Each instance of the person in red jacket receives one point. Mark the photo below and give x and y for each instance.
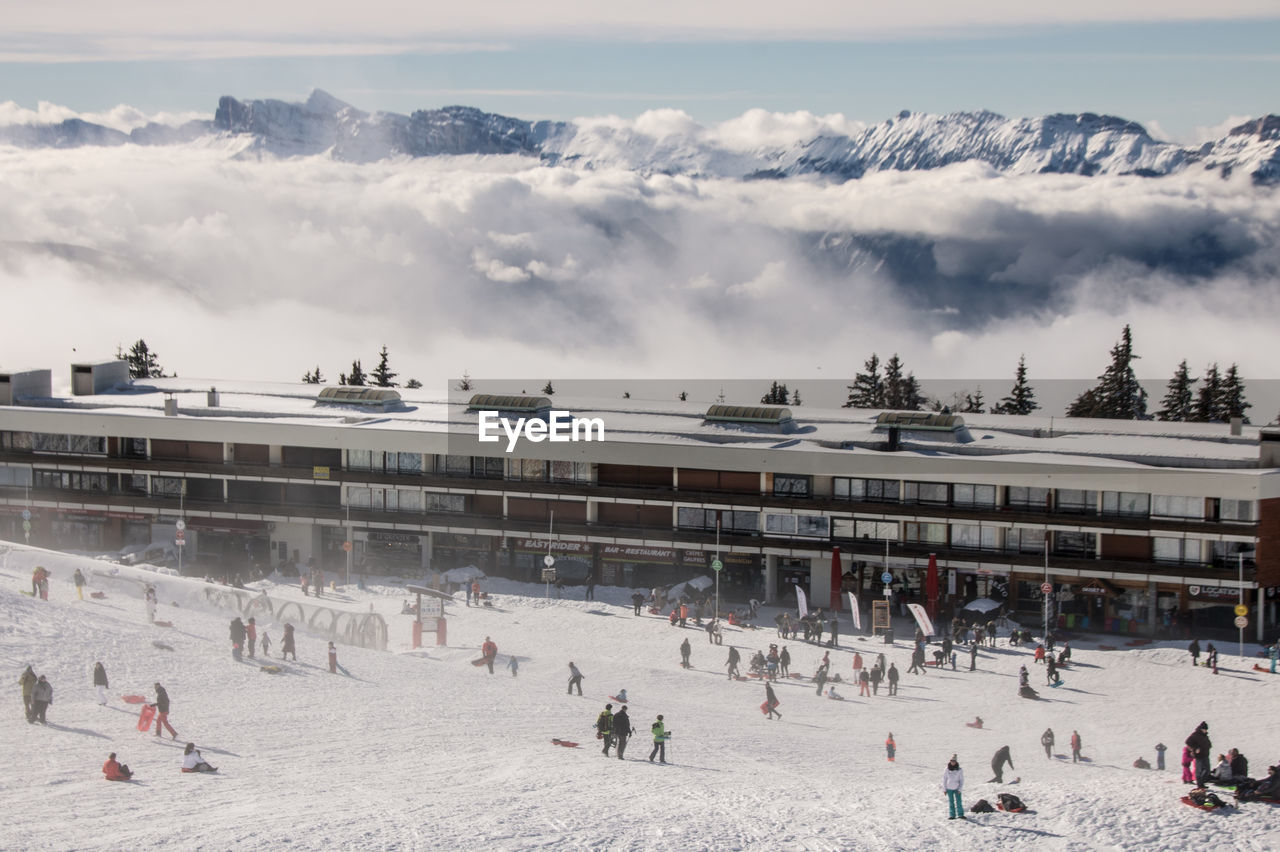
(1075, 746)
(489, 651)
(116, 771)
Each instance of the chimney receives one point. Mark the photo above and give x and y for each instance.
(170, 405)
(1237, 426)
(213, 397)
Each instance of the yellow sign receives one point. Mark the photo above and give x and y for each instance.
(319, 472)
(1241, 609)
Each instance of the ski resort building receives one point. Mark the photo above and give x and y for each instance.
(1136, 527)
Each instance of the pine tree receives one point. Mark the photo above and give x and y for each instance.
(1176, 405)
(626, 394)
(973, 402)
(357, 377)
(1118, 395)
(143, 363)
(382, 374)
(313, 377)
(465, 384)
(795, 398)
(867, 390)
(777, 395)
(412, 384)
(683, 396)
(1022, 398)
(548, 389)
(1231, 401)
(1209, 397)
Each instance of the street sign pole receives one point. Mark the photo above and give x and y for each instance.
(716, 565)
(181, 525)
(1047, 589)
(1240, 602)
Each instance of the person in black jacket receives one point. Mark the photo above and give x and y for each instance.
(1239, 764)
(1200, 744)
(637, 600)
(162, 711)
(734, 659)
(998, 760)
(685, 650)
(621, 730)
(1194, 650)
(41, 698)
(771, 701)
(100, 681)
(237, 636)
(893, 679)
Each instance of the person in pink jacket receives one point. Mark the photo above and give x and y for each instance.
(1188, 777)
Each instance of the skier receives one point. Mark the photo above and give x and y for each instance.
(685, 650)
(162, 711)
(734, 657)
(575, 679)
(998, 760)
(489, 651)
(44, 582)
(78, 579)
(100, 681)
(151, 603)
(660, 739)
(27, 680)
(116, 771)
(333, 660)
(41, 698)
(1200, 744)
(237, 637)
(893, 679)
(1194, 650)
(952, 784)
(604, 728)
(890, 747)
(193, 760)
(1161, 748)
(1075, 746)
(251, 633)
(770, 702)
(621, 730)
(1046, 740)
(286, 645)
(784, 662)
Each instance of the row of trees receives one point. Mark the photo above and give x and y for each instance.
(898, 389)
(382, 375)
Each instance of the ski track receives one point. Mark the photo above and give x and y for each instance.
(421, 750)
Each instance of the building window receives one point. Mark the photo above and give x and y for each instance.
(973, 537)
(808, 526)
(1175, 550)
(1129, 504)
(928, 493)
(1163, 506)
(742, 522)
(410, 501)
(1024, 541)
(924, 533)
(436, 502)
(409, 463)
(1071, 501)
(1079, 544)
(791, 485)
(487, 467)
(1022, 497)
(15, 441)
(976, 496)
(1236, 510)
(19, 476)
(867, 490)
(455, 466)
(575, 472)
(358, 459)
(692, 518)
(71, 480)
(876, 529)
(81, 445)
(359, 498)
(167, 486)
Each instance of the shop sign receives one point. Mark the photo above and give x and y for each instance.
(405, 538)
(539, 545)
(637, 554)
(1213, 593)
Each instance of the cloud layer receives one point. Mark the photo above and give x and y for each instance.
(500, 266)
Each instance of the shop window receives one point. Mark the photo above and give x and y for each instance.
(927, 493)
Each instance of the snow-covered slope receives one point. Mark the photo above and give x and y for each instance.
(669, 142)
(421, 750)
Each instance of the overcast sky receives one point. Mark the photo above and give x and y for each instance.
(1177, 65)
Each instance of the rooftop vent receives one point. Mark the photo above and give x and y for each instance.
(920, 421)
(523, 405)
(380, 398)
(768, 417)
(90, 379)
(27, 383)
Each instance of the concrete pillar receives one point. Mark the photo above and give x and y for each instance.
(1153, 611)
(820, 581)
(770, 577)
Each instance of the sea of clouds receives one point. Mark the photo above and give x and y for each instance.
(237, 267)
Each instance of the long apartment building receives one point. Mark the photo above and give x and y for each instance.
(1133, 524)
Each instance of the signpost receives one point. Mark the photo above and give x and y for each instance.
(180, 537)
(716, 565)
(1241, 609)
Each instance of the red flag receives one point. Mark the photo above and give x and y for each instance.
(931, 586)
(836, 576)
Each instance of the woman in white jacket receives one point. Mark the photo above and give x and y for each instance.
(193, 761)
(953, 783)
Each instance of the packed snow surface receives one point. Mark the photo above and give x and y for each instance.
(422, 750)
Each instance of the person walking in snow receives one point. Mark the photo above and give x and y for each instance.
(237, 637)
(893, 679)
(604, 727)
(162, 711)
(685, 651)
(864, 682)
(266, 644)
(821, 678)
(333, 659)
(1051, 671)
(1194, 650)
(732, 664)
(150, 597)
(1075, 747)
(637, 600)
(100, 682)
(27, 680)
(952, 784)
(857, 664)
(251, 635)
(973, 657)
(575, 679)
(1046, 740)
(875, 677)
(998, 760)
(621, 730)
(784, 662)
(78, 579)
(770, 701)
(890, 747)
(286, 644)
(489, 652)
(1161, 748)
(41, 698)
(514, 665)
(660, 740)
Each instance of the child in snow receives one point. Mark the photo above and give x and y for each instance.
(622, 696)
(890, 747)
(514, 665)
(193, 761)
(100, 681)
(1187, 776)
(333, 659)
(116, 771)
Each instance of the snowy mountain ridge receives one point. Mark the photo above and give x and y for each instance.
(1084, 144)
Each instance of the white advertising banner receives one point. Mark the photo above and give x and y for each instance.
(803, 601)
(922, 618)
(857, 614)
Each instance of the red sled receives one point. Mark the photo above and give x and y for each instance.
(480, 662)
(1011, 810)
(564, 743)
(616, 698)
(1186, 800)
(147, 715)
(764, 707)
(1258, 668)
(133, 699)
